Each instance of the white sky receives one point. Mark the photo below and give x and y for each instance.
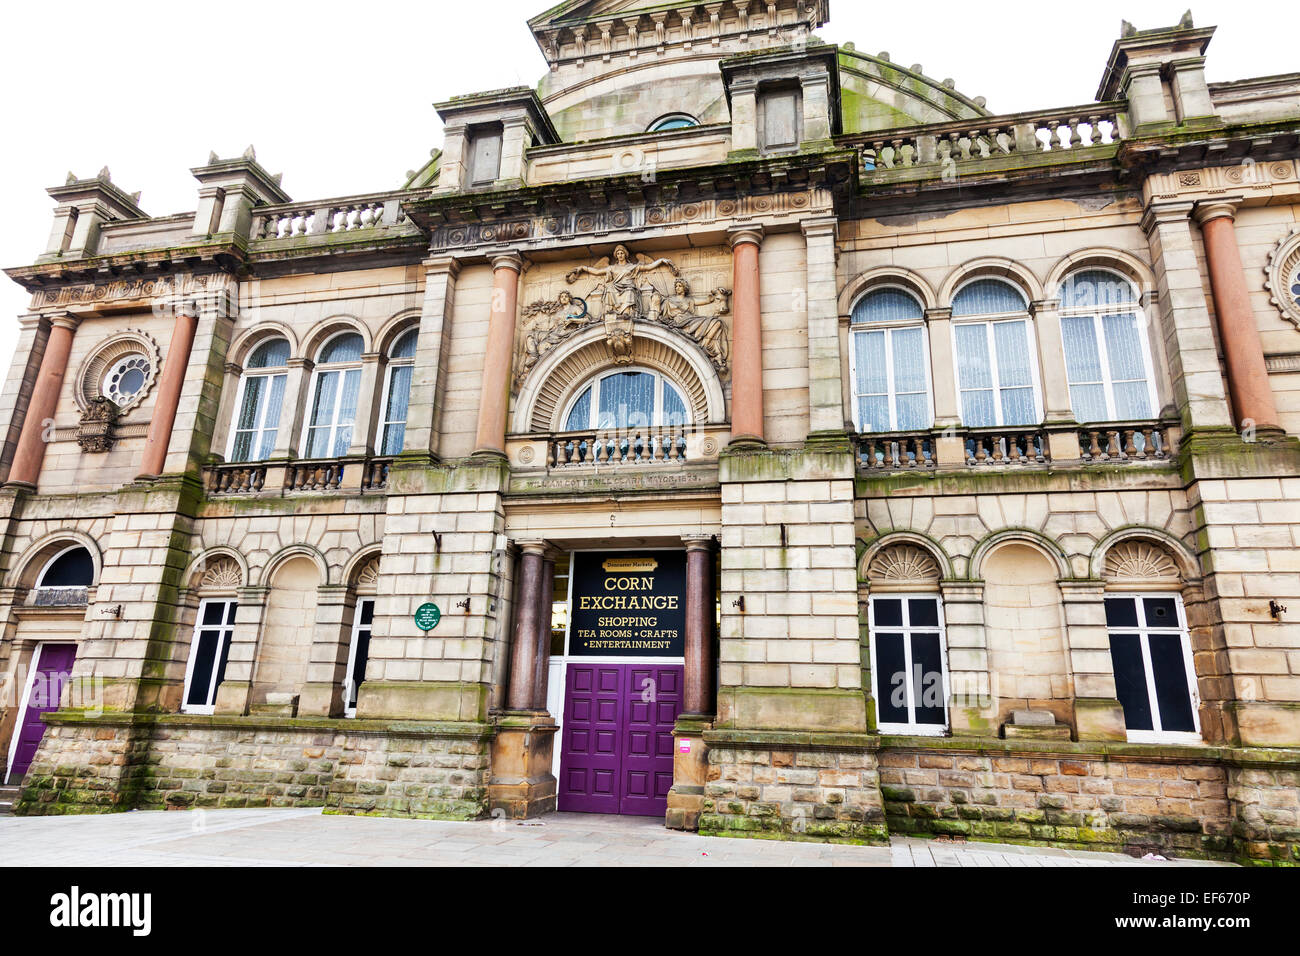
(337, 95)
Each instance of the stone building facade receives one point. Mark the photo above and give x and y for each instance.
(735, 427)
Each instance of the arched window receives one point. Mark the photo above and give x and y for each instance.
(65, 578)
(909, 660)
(996, 369)
(261, 394)
(363, 617)
(397, 393)
(890, 363)
(336, 384)
(1150, 646)
(622, 400)
(673, 121)
(1107, 357)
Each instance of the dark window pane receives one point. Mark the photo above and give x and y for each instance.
(359, 664)
(72, 569)
(204, 651)
(1121, 612)
(367, 613)
(212, 612)
(923, 612)
(927, 679)
(1173, 696)
(888, 613)
(1161, 612)
(231, 607)
(891, 678)
(221, 667)
(1130, 680)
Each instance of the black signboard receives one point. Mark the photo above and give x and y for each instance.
(628, 604)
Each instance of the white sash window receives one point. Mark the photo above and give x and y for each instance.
(397, 393)
(997, 373)
(261, 395)
(1107, 356)
(336, 385)
(890, 365)
(213, 629)
(1154, 678)
(909, 663)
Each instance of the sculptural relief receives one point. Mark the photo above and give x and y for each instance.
(627, 289)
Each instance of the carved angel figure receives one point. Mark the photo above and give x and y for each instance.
(681, 311)
(546, 325)
(620, 294)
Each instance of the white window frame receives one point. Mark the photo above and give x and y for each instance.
(658, 125)
(910, 728)
(393, 366)
(888, 328)
(1157, 735)
(45, 569)
(320, 369)
(594, 385)
(1103, 351)
(1031, 343)
(349, 710)
(226, 635)
(262, 426)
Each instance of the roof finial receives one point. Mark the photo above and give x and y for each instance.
(1126, 29)
(105, 175)
(250, 153)
(1186, 21)
(72, 178)
(213, 158)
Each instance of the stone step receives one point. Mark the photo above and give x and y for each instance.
(8, 797)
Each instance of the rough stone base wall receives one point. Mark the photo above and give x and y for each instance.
(178, 763)
(1267, 818)
(1078, 801)
(814, 794)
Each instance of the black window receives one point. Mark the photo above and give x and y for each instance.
(209, 651)
(908, 664)
(1151, 654)
(359, 653)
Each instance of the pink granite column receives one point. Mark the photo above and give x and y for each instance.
(1243, 352)
(29, 454)
(170, 381)
(523, 653)
(490, 437)
(697, 691)
(545, 600)
(746, 337)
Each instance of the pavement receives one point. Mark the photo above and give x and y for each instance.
(306, 837)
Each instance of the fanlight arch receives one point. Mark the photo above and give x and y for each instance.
(560, 374)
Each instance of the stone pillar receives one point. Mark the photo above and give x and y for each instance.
(1098, 714)
(490, 438)
(542, 657)
(293, 409)
(1184, 323)
(1058, 415)
(972, 705)
(170, 381)
(746, 336)
(522, 784)
(949, 447)
(29, 454)
(825, 388)
(322, 694)
(236, 689)
(744, 116)
(524, 652)
(430, 356)
(1243, 352)
(690, 755)
(697, 691)
(363, 432)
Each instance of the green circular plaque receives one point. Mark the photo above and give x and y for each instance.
(427, 617)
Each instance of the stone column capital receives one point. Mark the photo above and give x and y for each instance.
(537, 546)
(824, 226)
(507, 259)
(745, 232)
(1222, 207)
(442, 265)
(1161, 213)
(1044, 305)
(698, 542)
(65, 320)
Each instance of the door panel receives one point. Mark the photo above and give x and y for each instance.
(589, 763)
(617, 738)
(52, 670)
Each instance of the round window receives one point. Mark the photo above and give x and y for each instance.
(125, 378)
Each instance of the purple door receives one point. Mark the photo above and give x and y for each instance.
(52, 671)
(617, 741)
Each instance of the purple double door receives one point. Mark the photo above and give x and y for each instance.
(617, 738)
(53, 666)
